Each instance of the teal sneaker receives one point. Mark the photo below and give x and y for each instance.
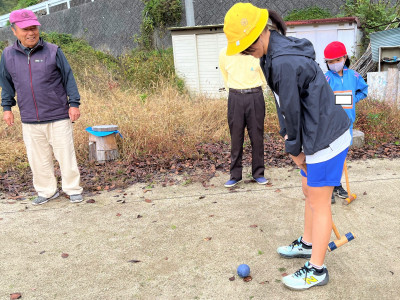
(296, 249)
(306, 277)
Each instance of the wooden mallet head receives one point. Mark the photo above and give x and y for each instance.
(349, 199)
(341, 241)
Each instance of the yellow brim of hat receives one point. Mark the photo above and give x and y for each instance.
(241, 45)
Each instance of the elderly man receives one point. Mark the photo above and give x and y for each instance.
(48, 100)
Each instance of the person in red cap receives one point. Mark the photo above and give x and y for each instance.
(316, 131)
(48, 101)
(349, 88)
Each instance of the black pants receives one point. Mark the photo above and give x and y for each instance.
(246, 110)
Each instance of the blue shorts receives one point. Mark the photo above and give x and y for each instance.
(326, 173)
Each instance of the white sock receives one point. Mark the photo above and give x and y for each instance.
(319, 268)
(306, 243)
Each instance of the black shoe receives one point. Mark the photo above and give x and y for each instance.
(333, 201)
(340, 192)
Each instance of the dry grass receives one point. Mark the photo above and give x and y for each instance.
(167, 123)
(380, 121)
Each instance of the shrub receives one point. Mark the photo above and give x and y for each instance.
(309, 13)
(378, 120)
(373, 15)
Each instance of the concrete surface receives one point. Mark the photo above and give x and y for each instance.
(170, 238)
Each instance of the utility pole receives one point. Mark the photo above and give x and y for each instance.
(189, 13)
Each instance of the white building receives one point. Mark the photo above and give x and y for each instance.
(196, 49)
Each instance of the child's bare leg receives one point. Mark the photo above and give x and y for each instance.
(307, 234)
(319, 199)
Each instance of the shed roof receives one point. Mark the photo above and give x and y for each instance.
(196, 27)
(384, 38)
(325, 21)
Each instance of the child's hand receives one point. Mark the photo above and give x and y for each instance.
(300, 161)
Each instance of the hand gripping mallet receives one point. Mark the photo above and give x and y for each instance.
(341, 240)
(351, 197)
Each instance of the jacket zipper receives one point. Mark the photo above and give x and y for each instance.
(30, 77)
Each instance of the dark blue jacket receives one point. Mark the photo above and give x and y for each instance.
(40, 83)
(306, 105)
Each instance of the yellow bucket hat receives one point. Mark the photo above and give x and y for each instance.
(243, 24)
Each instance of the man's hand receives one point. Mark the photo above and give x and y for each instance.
(8, 117)
(300, 161)
(74, 113)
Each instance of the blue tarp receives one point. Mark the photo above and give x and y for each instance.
(102, 133)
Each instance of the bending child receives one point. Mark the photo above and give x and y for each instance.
(317, 131)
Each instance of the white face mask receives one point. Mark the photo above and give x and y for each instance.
(336, 67)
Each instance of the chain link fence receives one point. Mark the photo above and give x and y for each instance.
(111, 25)
(213, 11)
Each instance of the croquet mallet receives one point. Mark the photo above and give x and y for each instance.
(351, 197)
(341, 240)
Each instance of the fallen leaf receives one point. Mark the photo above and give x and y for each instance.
(118, 214)
(247, 279)
(364, 193)
(207, 238)
(254, 226)
(64, 255)
(166, 258)
(211, 216)
(15, 296)
(232, 278)
(277, 191)
(90, 201)
(147, 200)
(284, 274)
(134, 261)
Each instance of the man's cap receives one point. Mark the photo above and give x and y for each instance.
(243, 24)
(23, 18)
(334, 50)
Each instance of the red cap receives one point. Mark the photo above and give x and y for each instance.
(334, 50)
(23, 18)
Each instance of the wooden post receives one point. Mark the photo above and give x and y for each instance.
(103, 148)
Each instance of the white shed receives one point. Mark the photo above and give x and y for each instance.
(196, 49)
(196, 52)
(324, 31)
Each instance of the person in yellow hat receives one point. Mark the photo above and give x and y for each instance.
(316, 131)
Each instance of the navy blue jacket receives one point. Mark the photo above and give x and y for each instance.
(42, 79)
(305, 104)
